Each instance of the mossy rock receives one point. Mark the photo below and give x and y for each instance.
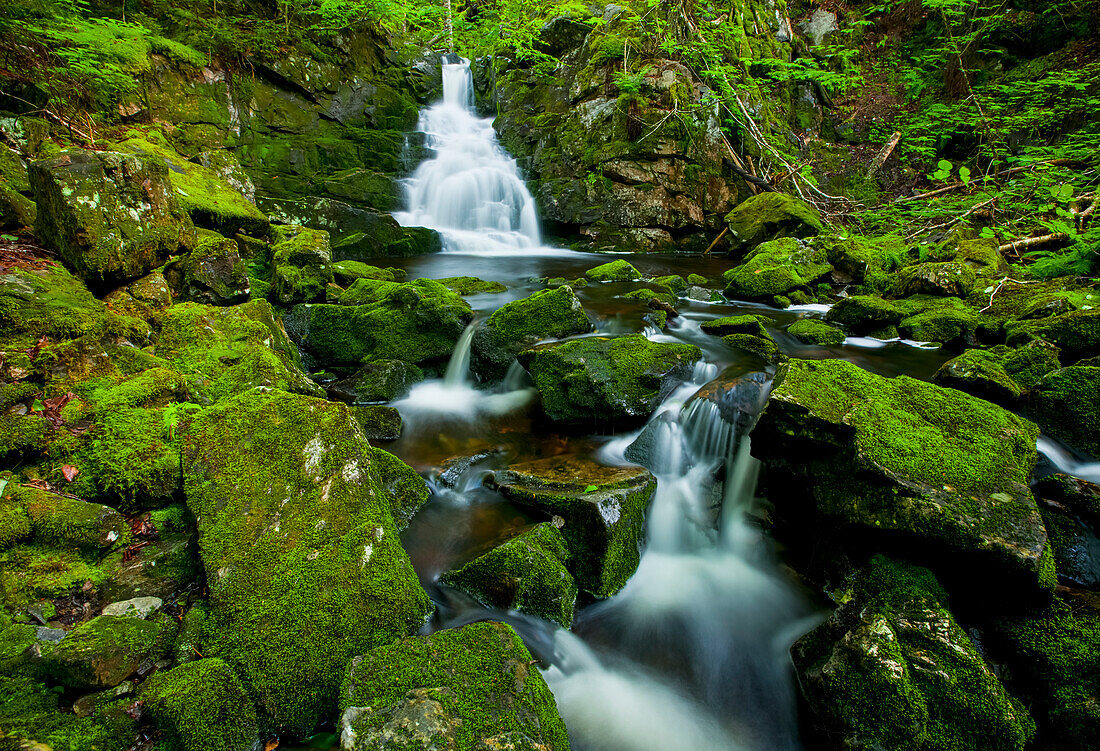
(1080, 497)
(109, 216)
(744, 324)
(303, 264)
(147, 298)
(900, 459)
(893, 669)
(379, 423)
(378, 381)
(302, 558)
(231, 349)
(512, 328)
(1066, 403)
(940, 279)
(471, 285)
(924, 318)
(106, 650)
(163, 567)
(358, 234)
(406, 490)
(31, 717)
(51, 303)
(16, 210)
(213, 273)
(814, 331)
(603, 508)
(472, 686)
(15, 524)
(415, 322)
(865, 260)
(763, 347)
(1076, 334)
(600, 380)
(775, 268)
(365, 187)
(31, 572)
(615, 271)
(346, 272)
(203, 192)
(527, 573)
(769, 216)
(1054, 654)
(70, 522)
(675, 283)
(201, 706)
(1000, 374)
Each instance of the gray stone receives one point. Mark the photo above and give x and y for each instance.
(52, 635)
(139, 607)
(819, 26)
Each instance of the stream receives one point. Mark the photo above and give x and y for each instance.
(693, 652)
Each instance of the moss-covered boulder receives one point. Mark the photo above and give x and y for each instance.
(1066, 403)
(527, 573)
(70, 522)
(599, 379)
(775, 268)
(214, 194)
(603, 508)
(924, 318)
(51, 303)
(941, 279)
(32, 716)
(166, 564)
(1076, 334)
(405, 490)
(145, 298)
(379, 423)
(16, 210)
(377, 381)
(893, 669)
(358, 234)
(231, 349)
(1054, 655)
(769, 216)
(549, 314)
(466, 688)
(815, 331)
(863, 260)
(110, 216)
(415, 322)
(744, 324)
(303, 264)
(212, 273)
(302, 558)
(471, 285)
(201, 706)
(898, 459)
(615, 271)
(763, 347)
(106, 650)
(346, 272)
(1000, 374)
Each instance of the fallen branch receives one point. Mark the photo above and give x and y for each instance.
(951, 222)
(884, 154)
(739, 169)
(998, 289)
(716, 240)
(994, 176)
(1029, 242)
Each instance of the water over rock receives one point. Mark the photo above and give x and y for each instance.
(1066, 403)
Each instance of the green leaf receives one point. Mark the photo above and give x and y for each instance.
(591, 489)
(987, 233)
(964, 174)
(9, 238)
(945, 166)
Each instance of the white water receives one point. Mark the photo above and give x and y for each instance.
(1064, 461)
(470, 191)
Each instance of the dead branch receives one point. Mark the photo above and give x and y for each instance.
(1030, 242)
(884, 154)
(953, 221)
(716, 240)
(994, 176)
(998, 289)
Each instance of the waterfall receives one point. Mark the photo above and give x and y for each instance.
(470, 191)
(458, 369)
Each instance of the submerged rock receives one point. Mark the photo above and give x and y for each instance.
(550, 314)
(527, 573)
(603, 508)
(302, 558)
(892, 669)
(770, 216)
(202, 706)
(475, 686)
(597, 379)
(896, 459)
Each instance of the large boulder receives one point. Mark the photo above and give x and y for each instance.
(943, 279)
(903, 461)
(106, 650)
(1076, 334)
(1066, 403)
(212, 273)
(475, 687)
(358, 234)
(110, 216)
(892, 669)
(377, 381)
(527, 573)
(303, 264)
(600, 379)
(550, 314)
(603, 508)
(776, 268)
(769, 216)
(70, 522)
(924, 318)
(202, 706)
(302, 558)
(1000, 374)
(416, 322)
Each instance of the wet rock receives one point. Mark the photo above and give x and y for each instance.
(615, 271)
(1081, 497)
(896, 459)
(923, 318)
(814, 331)
(597, 379)
(16, 210)
(777, 267)
(942, 279)
(303, 264)
(378, 381)
(415, 322)
(1066, 403)
(295, 478)
(106, 650)
(770, 216)
(449, 690)
(202, 705)
(738, 395)
(549, 314)
(604, 512)
(471, 285)
(892, 669)
(745, 324)
(561, 34)
(763, 347)
(347, 272)
(110, 216)
(379, 423)
(527, 573)
(212, 273)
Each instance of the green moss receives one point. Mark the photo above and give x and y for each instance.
(32, 572)
(769, 216)
(384, 380)
(15, 525)
(106, 650)
(814, 331)
(347, 272)
(943, 279)
(406, 490)
(675, 283)
(302, 557)
(981, 373)
(379, 423)
(867, 260)
(23, 435)
(776, 268)
(526, 573)
(201, 705)
(481, 676)
(763, 347)
(134, 458)
(51, 303)
(471, 285)
(58, 520)
(597, 378)
(744, 324)
(29, 711)
(1077, 334)
(1066, 403)
(211, 273)
(921, 317)
(615, 271)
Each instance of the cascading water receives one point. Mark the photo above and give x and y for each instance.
(471, 191)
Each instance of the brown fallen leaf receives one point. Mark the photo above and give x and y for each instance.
(271, 745)
(69, 472)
